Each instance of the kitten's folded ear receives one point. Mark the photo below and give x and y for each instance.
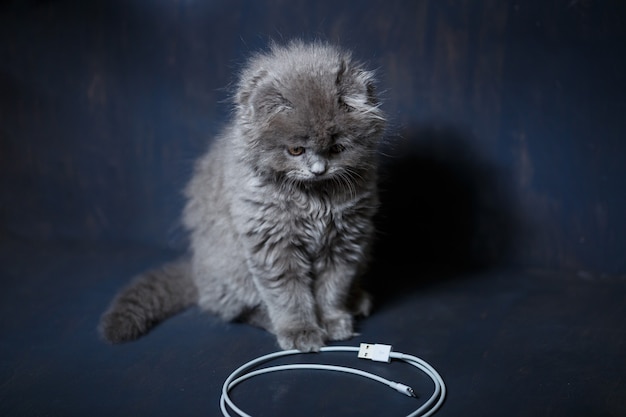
(247, 85)
(257, 99)
(367, 78)
(357, 90)
(358, 94)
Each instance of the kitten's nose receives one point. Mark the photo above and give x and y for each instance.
(318, 167)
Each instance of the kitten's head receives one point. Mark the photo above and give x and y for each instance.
(309, 114)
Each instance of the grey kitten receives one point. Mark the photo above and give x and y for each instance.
(279, 209)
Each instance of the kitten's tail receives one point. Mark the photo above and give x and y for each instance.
(151, 298)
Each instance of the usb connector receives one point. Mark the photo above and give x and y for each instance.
(376, 352)
(382, 353)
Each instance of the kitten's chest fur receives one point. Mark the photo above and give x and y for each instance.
(312, 220)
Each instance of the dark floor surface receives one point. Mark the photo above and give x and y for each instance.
(506, 342)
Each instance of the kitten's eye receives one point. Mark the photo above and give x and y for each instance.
(337, 148)
(295, 150)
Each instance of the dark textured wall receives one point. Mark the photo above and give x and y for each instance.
(507, 118)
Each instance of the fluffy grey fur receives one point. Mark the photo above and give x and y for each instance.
(280, 208)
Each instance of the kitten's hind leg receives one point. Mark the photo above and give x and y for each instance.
(257, 316)
(360, 302)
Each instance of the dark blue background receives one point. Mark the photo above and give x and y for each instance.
(105, 105)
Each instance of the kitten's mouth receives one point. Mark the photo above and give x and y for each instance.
(309, 178)
(317, 178)
(312, 182)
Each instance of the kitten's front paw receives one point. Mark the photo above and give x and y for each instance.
(309, 339)
(340, 327)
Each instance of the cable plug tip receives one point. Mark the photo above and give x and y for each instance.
(406, 390)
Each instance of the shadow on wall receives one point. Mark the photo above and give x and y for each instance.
(445, 210)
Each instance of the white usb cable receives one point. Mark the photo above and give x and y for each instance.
(375, 352)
